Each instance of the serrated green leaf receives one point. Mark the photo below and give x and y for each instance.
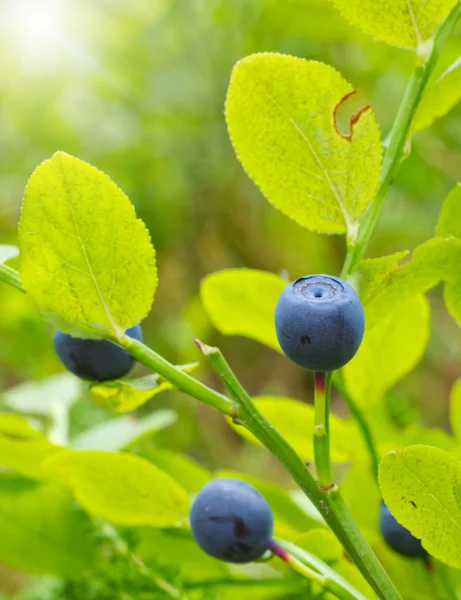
(405, 23)
(8, 252)
(41, 531)
(188, 473)
(122, 488)
(242, 302)
(124, 432)
(421, 486)
(439, 98)
(389, 351)
(86, 260)
(289, 518)
(295, 421)
(124, 395)
(280, 113)
(40, 396)
(455, 409)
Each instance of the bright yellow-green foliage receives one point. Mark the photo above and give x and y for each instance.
(421, 486)
(42, 532)
(389, 351)
(124, 395)
(22, 448)
(406, 23)
(242, 302)
(435, 260)
(295, 420)
(86, 260)
(189, 474)
(439, 98)
(280, 113)
(122, 488)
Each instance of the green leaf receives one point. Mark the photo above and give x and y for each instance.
(40, 396)
(26, 455)
(124, 432)
(435, 260)
(8, 252)
(124, 395)
(189, 474)
(17, 426)
(405, 23)
(122, 488)
(86, 260)
(295, 421)
(455, 409)
(41, 531)
(449, 222)
(421, 486)
(439, 98)
(289, 518)
(280, 113)
(389, 351)
(242, 302)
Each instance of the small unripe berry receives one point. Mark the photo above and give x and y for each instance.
(231, 520)
(319, 322)
(397, 536)
(95, 360)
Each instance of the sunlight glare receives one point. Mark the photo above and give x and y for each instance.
(36, 28)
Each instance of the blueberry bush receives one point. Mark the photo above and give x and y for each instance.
(90, 508)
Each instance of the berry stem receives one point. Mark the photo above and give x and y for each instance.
(322, 387)
(361, 422)
(313, 569)
(395, 150)
(178, 378)
(336, 513)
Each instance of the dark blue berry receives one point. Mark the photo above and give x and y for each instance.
(95, 360)
(397, 536)
(319, 322)
(231, 520)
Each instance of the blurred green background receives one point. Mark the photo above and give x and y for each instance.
(137, 89)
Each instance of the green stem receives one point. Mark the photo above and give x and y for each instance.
(11, 276)
(333, 581)
(178, 378)
(330, 503)
(397, 140)
(314, 570)
(321, 430)
(361, 422)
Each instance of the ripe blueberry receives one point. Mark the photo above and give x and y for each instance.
(397, 536)
(231, 520)
(95, 360)
(319, 322)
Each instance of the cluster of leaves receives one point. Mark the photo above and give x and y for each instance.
(107, 513)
